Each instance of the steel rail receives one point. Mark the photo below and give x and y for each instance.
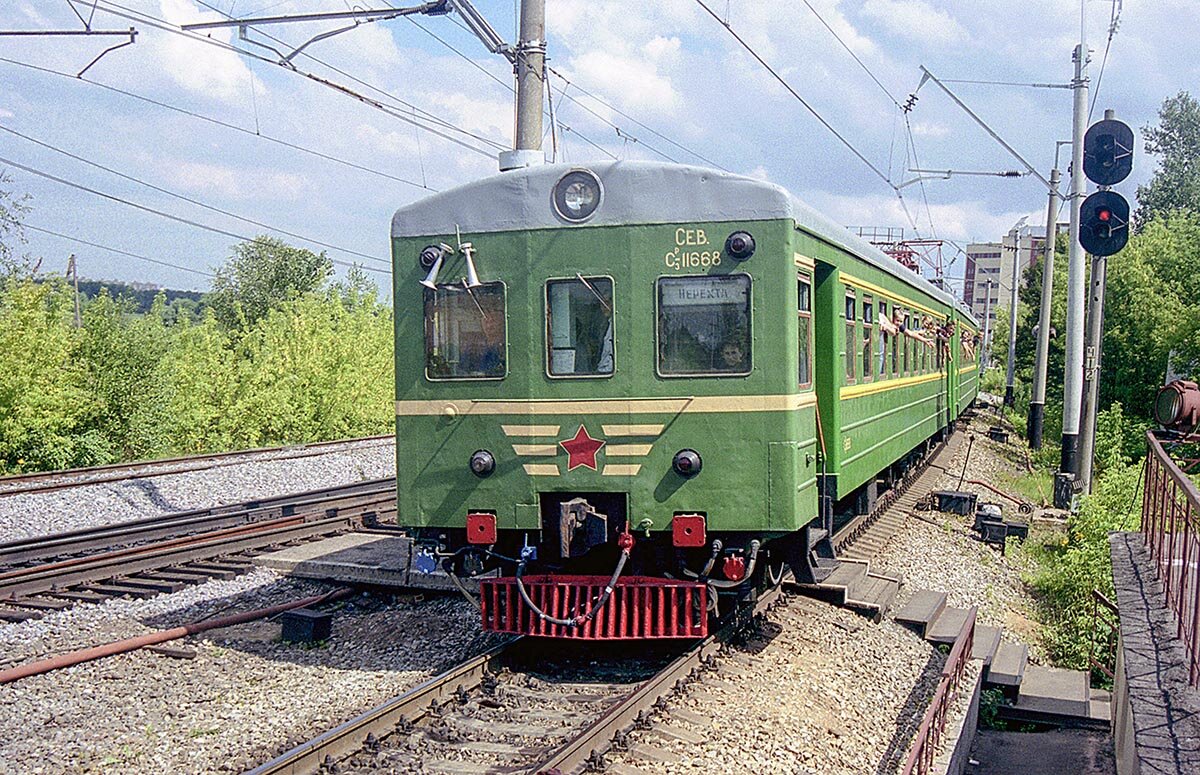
(857, 527)
(186, 522)
(417, 703)
(59, 576)
(597, 739)
(43, 481)
(380, 721)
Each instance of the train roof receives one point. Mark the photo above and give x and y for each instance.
(638, 192)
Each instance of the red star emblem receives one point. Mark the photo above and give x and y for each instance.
(581, 450)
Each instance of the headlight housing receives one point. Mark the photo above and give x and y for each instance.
(577, 195)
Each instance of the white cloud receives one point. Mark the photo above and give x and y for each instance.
(634, 79)
(6, 113)
(203, 69)
(916, 20)
(223, 182)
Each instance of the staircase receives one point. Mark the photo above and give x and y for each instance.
(1038, 694)
(854, 585)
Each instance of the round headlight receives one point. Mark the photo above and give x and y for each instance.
(1166, 406)
(482, 463)
(687, 463)
(740, 245)
(577, 195)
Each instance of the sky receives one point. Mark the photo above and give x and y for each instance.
(214, 141)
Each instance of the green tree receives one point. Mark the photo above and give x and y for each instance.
(12, 209)
(261, 275)
(1176, 141)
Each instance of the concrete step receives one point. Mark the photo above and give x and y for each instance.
(987, 641)
(874, 595)
(1100, 705)
(921, 609)
(947, 626)
(1054, 691)
(1008, 664)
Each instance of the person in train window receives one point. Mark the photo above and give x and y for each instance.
(732, 356)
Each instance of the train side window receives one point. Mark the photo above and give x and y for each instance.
(868, 336)
(882, 339)
(465, 332)
(704, 325)
(579, 327)
(851, 343)
(907, 356)
(896, 337)
(804, 328)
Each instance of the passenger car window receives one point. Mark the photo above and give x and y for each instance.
(465, 334)
(868, 321)
(804, 328)
(579, 327)
(851, 343)
(704, 325)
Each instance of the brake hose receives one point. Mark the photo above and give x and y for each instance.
(578, 620)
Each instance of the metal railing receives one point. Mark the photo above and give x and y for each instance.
(1106, 625)
(1171, 528)
(929, 735)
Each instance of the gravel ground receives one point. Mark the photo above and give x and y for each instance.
(818, 690)
(940, 551)
(34, 514)
(244, 698)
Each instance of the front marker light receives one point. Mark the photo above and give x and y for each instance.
(482, 463)
(687, 463)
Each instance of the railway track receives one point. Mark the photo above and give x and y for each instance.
(493, 714)
(76, 477)
(165, 554)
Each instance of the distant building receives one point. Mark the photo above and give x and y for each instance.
(989, 270)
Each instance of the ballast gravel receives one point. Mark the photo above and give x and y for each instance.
(244, 698)
(25, 515)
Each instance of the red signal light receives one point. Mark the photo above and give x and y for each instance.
(1104, 214)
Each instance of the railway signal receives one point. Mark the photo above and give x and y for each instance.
(1108, 152)
(1104, 220)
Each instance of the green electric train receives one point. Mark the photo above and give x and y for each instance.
(626, 390)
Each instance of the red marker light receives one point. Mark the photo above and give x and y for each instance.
(1104, 214)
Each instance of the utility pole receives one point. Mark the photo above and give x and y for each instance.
(530, 65)
(1095, 344)
(987, 324)
(1037, 406)
(1091, 371)
(1010, 376)
(73, 273)
(1076, 269)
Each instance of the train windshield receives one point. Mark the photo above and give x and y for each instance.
(465, 332)
(704, 325)
(579, 327)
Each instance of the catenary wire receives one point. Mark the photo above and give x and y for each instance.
(217, 122)
(850, 51)
(139, 257)
(426, 115)
(160, 213)
(190, 200)
(750, 49)
(1114, 20)
(153, 21)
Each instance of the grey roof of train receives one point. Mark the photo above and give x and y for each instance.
(520, 199)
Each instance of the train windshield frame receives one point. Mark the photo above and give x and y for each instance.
(580, 327)
(704, 325)
(466, 332)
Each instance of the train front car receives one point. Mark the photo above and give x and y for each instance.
(604, 394)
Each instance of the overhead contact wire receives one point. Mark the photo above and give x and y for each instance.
(190, 200)
(794, 93)
(159, 213)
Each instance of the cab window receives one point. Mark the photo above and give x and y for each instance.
(704, 325)
(465, 333)
(579, 327)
